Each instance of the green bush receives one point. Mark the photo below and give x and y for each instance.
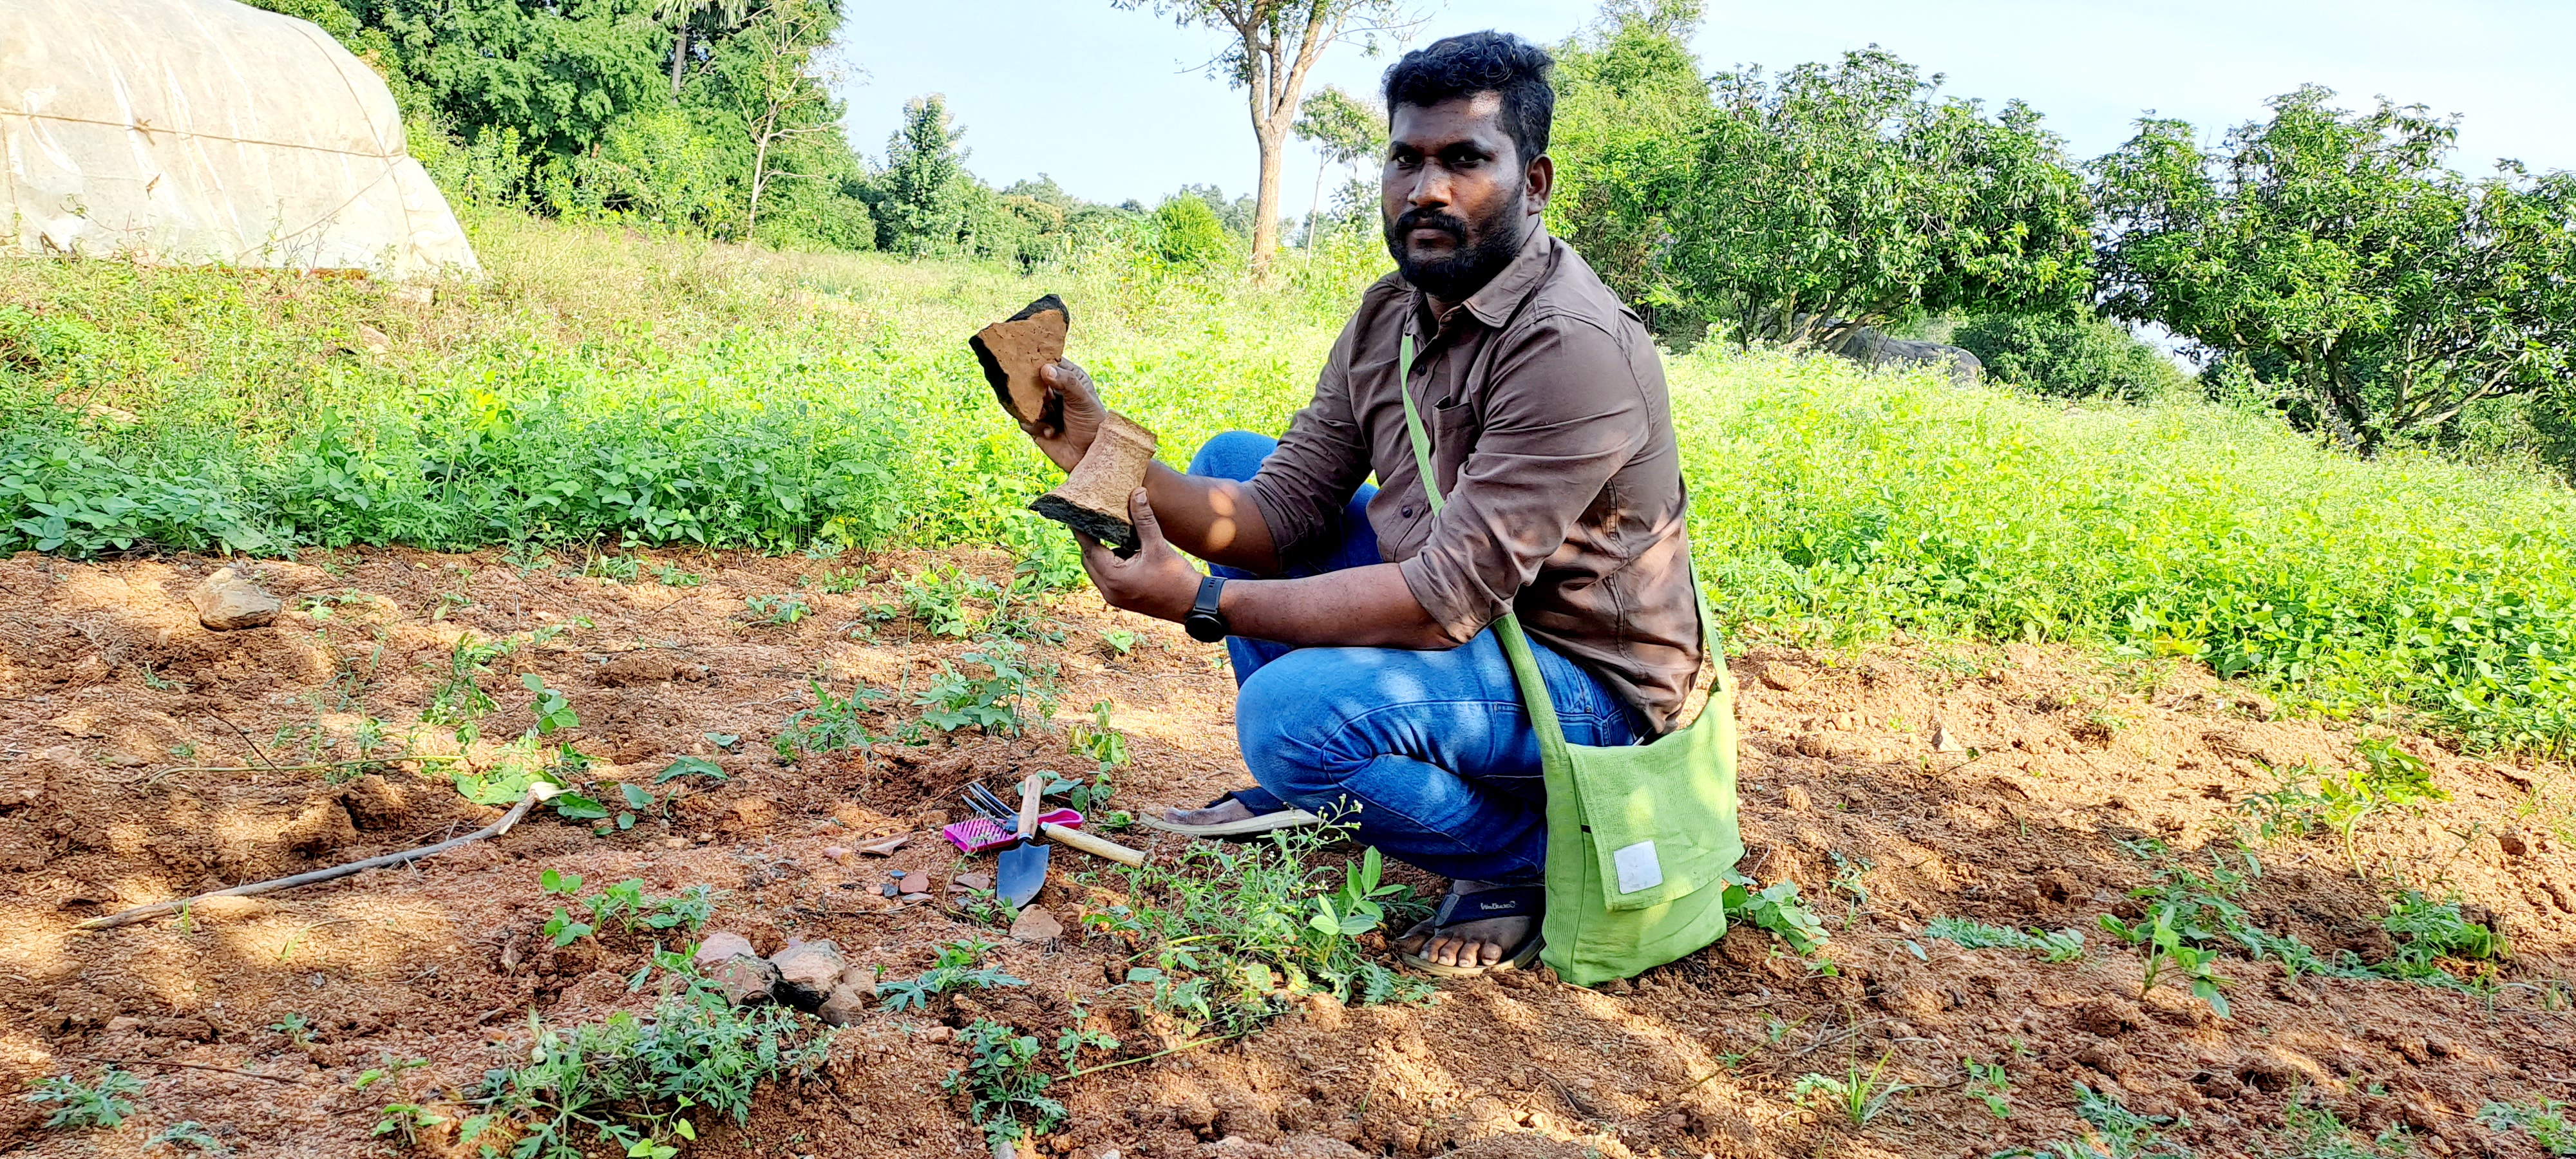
(2079, 356)
(1187, 233)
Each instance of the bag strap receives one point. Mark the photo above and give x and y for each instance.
(1541, 706)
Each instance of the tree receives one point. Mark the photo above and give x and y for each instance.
(1800, 207)
(922, 211)
(1272, 45)
(784, 101)
(1345, 130)
(2334, 249)
(678, 14)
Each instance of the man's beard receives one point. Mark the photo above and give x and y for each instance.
(1467, 268)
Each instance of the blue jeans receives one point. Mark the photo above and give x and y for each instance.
(1430, 753)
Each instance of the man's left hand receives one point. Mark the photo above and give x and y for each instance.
(1156, 581)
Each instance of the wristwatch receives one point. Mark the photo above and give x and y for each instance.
(1205, 623)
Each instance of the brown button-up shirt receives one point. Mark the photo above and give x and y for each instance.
(1553, 441)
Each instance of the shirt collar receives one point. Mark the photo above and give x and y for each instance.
(1494, 304)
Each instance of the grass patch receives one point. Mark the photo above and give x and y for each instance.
(602, 389)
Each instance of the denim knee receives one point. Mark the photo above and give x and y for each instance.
(1286, 734)
(1235, 455)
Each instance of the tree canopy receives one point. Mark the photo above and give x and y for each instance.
(2334, 250)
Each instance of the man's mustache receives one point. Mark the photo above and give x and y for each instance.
(1413, 219)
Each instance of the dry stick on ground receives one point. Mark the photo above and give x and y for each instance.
(275, 1078)
(536, 793)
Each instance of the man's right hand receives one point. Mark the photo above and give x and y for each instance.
(1081, 411)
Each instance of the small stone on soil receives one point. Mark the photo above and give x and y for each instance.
(807, 972)
(228, 600)
(1036, 925)
(916, 881)
(974, 880)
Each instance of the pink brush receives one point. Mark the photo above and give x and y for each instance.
(977, 834)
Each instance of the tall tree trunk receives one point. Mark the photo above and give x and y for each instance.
(679, 55)
(1265, 225)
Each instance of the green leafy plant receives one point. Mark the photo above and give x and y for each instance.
(2059, 946)
(776, 611)
(404, 1122)
(2113, 1131)
(952, 971)
(1233, 932)
(690, 767)
(2166, 948)
(1003, 702)
(188, 1133)
(671, 576)
(1120, 640)
(1776, 908)
(1988, 1083)
(2390, 779)
(103, 1104)
(2544, 1119)
(619, 568)
(297, 1030)
(634, 1082)
(1860, 1096)
(552, 710)
(456, 699)
(833, 724)
(1003, 1083)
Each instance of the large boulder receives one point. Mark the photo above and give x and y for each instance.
(1869, 347)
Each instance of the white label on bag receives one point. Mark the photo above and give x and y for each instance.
(1638, 868)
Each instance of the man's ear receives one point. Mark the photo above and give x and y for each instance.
(1538, 181)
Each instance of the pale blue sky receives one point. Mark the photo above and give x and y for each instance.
(1110, 103)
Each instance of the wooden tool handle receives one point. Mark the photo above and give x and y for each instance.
(1095, 846)
(1030, 790)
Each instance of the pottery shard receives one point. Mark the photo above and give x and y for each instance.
(1093, 499)
(1014, 350)
(807, 972)
(228, 600)
(1036, 925)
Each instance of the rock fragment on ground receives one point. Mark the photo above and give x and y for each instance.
(917, 881)
(228, 601)
(737, 970)
(851, 994)
(807, 972)
(1036, 925)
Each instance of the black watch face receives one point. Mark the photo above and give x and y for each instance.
(1204, 629)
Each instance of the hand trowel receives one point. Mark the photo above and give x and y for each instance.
(1022, 870)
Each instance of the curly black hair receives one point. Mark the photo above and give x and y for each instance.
(1482, 62)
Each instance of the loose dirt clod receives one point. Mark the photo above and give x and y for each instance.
(228, 601)
(1036, 925)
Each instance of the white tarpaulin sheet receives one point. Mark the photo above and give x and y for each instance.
(206, 131)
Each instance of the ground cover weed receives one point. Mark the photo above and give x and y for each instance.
(1860, 1097)
(834, 724)
(624, 904)
(636, 1082)
(2058, 946)
(1232, 932)
(1777, 908)
(188, 1133)
(617, 568)
(1989, 1083)
(2166, 949)
(2112, 1131)
(953, 970)
(1013, 693)
(2543, 1118)
(673, 576)
(2389, 780)
(2312, 1131)
(103, 1104)
(775, 611)
(403, 1123)
(1004, 1084)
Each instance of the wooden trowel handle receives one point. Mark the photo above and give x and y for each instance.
(1095, 846)
(1030, 790)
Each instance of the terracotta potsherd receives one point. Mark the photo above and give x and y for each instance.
(1012, 352)
(1093, 499)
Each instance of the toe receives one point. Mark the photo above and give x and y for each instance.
(1492, 952)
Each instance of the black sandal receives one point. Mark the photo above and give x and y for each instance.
(1269, 814)
(1501, 902)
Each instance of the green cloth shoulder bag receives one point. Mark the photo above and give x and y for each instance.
(1640, 838)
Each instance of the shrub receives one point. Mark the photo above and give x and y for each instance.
(1188, 234)
(2078, 356)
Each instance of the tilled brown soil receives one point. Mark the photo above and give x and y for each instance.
(2071, 774)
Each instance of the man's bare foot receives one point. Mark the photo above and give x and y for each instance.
(1474, 943)
(1223, 811)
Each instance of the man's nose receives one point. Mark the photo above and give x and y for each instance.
(1430, 187)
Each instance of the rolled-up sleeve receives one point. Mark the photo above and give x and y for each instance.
(1567, 413)
(1322, 459)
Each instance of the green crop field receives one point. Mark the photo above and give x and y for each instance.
(601, 386)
